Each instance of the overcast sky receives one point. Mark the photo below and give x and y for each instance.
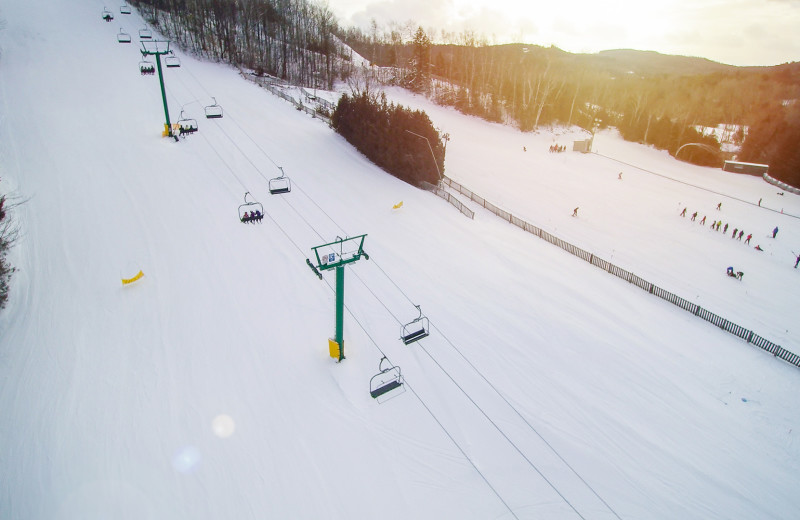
(737, 32)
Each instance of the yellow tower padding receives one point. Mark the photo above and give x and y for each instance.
(333, 348)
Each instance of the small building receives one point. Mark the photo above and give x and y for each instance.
(743, 167)
(584, 146)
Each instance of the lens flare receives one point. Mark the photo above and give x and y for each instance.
(186, 459)
(223, 426)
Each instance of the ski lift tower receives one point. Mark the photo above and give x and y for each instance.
(336, 255)
(159, 48)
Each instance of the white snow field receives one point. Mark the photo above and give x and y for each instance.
(547, 389)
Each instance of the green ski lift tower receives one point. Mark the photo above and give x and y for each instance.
(159, 48)
(336, 255)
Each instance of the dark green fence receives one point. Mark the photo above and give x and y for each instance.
(719, 321)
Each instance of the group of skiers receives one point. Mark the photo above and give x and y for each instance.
(554, 148)
(738, 274)
(252, 216)
(737, 233)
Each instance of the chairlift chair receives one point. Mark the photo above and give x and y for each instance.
(246, 209)
(123, 37)
(386, 380)
(145, 33)
(125, 9)
(186, 125)
(280, 184)
(107, 15)
(172, 61)
(416, 329)
(147, 68)
(213, 111)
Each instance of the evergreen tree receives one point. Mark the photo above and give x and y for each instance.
(391, 136)
(774, 140)
(419, 79)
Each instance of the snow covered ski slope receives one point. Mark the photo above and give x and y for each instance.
(204, 390)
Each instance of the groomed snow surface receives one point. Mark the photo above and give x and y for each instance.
(547, 389)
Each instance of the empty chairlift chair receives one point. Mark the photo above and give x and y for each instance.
(125, 9)
(145, 34)
(213, 111)
(147, 68)
(172, 61)
(280, 184)
(386, 380)
(416, 329)
(248, 209)
(123, 37)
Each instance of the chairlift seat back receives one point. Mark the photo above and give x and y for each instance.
(280, 185)
(414, 336)
(249, 207)
(385, 381)
(388, 387)
(416, 329)
(213, 111)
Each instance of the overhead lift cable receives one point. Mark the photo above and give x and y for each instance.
(486, 380)
(374, 343)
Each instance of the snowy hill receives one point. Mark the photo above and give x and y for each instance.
(546, 389)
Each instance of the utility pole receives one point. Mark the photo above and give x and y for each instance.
(151, 48)
(334, 256)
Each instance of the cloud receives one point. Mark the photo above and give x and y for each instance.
(738, 32)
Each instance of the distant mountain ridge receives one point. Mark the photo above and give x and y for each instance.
(652, 62)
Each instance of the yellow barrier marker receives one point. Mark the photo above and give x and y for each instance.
(126, 281)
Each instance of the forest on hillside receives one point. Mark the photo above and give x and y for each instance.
(294, 40)
(653, 99)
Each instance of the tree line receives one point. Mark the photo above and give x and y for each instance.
(294, 40)
(8, 235)
(661, 102)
